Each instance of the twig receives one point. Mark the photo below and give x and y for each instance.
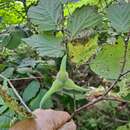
(26, 78)
(115, 99)
(16, 93)
(86, 106)
(112, 86)
(125, 73)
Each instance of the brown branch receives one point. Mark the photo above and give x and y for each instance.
(115, 99)
(26, 78)
(125, 73)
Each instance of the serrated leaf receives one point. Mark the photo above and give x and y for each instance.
(83, 18)
(119, 16)
(108, 61)
(31, 90)
(46, 45)
(35, 103)
(81, 52)
(47, 14)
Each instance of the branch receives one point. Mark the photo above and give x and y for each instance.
(125, 73)
(26, 78)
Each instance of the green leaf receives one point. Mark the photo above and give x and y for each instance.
(119, 16)
(124, 127)
(83, 18)
(1, 101)
(2, 109)
(109, 59)
(2, 67)
(78, 96)
(31, 90)
(24, 70)
(27, 62)
(35, 103)
(47, 14)
(46, 45)
(5, 120)
(12, 39)
(8, 72)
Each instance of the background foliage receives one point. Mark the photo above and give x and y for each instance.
(93, 33)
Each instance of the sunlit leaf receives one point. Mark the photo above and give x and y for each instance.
(109, 59)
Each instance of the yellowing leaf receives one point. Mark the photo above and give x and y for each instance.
(80, 53)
